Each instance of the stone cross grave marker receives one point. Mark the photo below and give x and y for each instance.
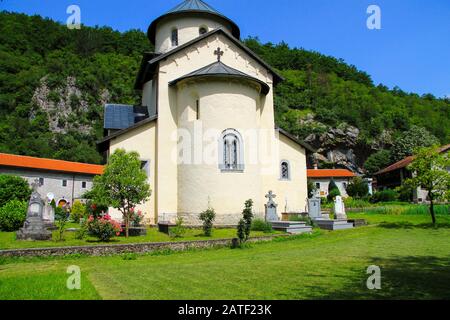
(271, 207)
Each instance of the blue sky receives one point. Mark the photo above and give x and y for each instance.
(412, 50)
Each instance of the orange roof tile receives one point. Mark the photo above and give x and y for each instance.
(328, 173)
(17, 161)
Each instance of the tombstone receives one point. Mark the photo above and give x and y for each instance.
(339, 209)
(34, 227)
(314, 208)
(271, 208)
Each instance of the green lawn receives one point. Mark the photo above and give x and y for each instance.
(414, 260)
(8, 239)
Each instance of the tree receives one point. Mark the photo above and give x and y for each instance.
(13, 188)
(357, 188)
(247, 216)
(123, 184)
(430, 172)
(377, 161)
(333, 190)
(208, 216)
(415, 137)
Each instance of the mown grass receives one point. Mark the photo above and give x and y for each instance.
(414, 262)
(8, 239)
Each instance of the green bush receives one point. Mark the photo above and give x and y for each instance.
(387, 195)
(208, 218)
(12, 187)
(261, 225)
(78, 211)
(357, 188)
(103, 228)
(333, 194)
(13, 215)
(179, 230)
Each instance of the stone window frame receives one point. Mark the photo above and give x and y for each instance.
(288, 178)
(239, 167)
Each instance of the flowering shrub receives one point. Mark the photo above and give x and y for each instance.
(94, 209)
(136, 217)
(104, 228)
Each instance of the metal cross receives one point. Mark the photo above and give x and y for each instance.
(218, 53)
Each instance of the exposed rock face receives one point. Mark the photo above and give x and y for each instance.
(63, 105)
(337, 146)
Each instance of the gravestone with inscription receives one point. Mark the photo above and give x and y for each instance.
(34, 227)
(271, 208)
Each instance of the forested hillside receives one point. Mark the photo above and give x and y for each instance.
(55, 81)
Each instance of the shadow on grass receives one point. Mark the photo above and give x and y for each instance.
(408, 278)
(409, 225)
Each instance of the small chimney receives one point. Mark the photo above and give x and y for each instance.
(316, 166)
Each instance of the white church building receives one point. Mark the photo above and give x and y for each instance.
(205, 130)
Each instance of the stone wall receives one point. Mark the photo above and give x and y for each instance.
(105, 250)
(192, 219)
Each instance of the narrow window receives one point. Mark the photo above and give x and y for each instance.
(41, 181)
(83, 184)
(64, 183)
(174, 37)
(231, 151)
(318, 185)
(202, 30)
(197, 108)
(285, 174)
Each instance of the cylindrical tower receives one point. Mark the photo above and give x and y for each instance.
(185, 22)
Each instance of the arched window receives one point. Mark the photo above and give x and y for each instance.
(174, 37)
(202, 30)
(231, 151)
(285, 170)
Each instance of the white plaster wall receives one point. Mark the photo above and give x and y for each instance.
(53, 182)
(143, 141)
(188, 29)
(325, 182)
(291, 194)
(223, 105)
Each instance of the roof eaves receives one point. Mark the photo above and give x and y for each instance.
(163, 56)
(296, 140)
(121, 132)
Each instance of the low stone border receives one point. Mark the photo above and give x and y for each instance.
(105, 250)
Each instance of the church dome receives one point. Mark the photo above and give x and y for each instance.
(207, 19)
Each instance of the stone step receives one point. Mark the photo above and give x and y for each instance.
(292, 227)
(334, 224)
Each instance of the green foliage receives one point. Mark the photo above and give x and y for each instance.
(311, 188)
(357, 188)
(12, 187)
(410, 140)
(332, 185)
(430, 168)
(179, 230)
(247, 216)
(333, 191)
(241, 231)
(103, 228)
(61, 225)
(386, 195)
(13, 215)
(377, 161)
(207, 217)
(78, 211)
(261, 225)
(123, 184)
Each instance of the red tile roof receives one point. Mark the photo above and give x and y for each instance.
(11, 160)
(406, 162)
(328, 173)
